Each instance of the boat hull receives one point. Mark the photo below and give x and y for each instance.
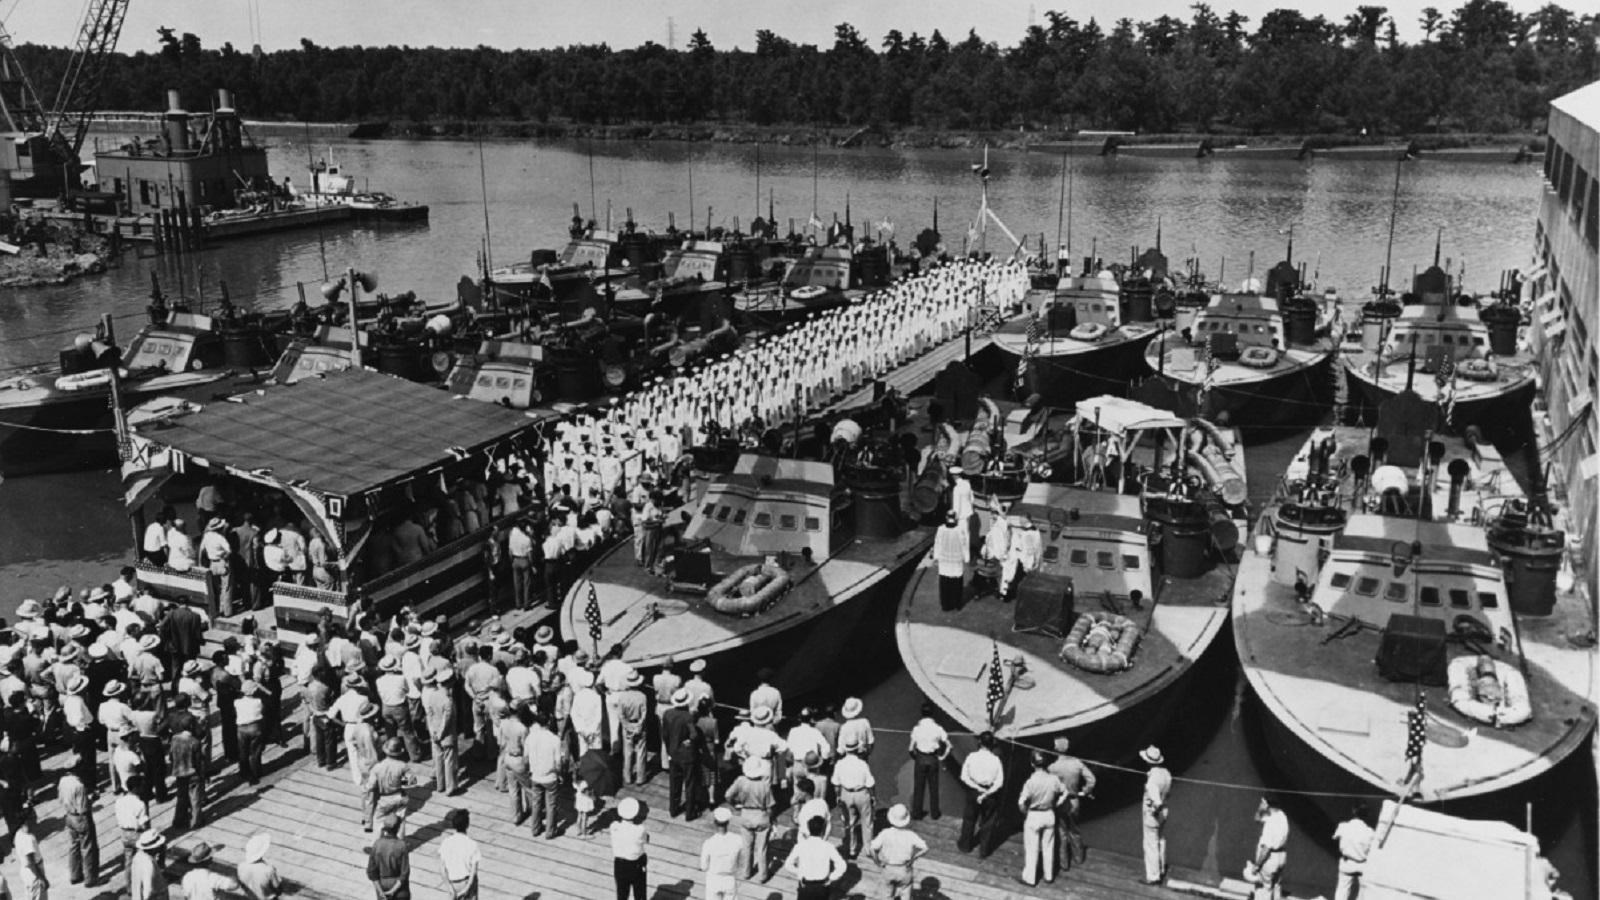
(1299, 398)
(1496, 414)
(69, 433)
(1062, 379)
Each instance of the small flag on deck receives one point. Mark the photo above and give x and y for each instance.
(997, 685)
(591, 614)
(1035, 328)
(1416, 734)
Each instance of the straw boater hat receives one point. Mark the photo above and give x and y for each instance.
(1152, 755)
(313, 639)
(70, 652)
(149, 642)
(394, 748)
(78, 632)
(368, 710)
(899, 816)
(98, 650)
(150, 840)
(697, 666)
(633, 679)
(1062, 745)
(112, 689)
(389, 664)
(630, 809)
(255, 849)
(192, 667)
(200, 854)
(851, 708)
(77, 685)
(413, 641)
(29, 609)
(761, 715)
(429, 629)
(503, 641)
(353, 680)
(756, 768)
(217, 524)
(680, 697)
(544, 635)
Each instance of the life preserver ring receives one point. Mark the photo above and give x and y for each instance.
(1087, 331)
(747, 590)
(1101, 643)
(441, 361)
(615, 376)
(808, 292)
(83, 381)
(1477, 370)
(1259, 357)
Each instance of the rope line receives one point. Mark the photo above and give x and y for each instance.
(19, 425)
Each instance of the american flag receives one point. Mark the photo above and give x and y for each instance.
(591, 614)
(1035, 328)
(997, 685)
(1445, 378)
(1416, 733)
(1212, 365)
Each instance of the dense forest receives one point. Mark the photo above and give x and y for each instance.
(1481, 68)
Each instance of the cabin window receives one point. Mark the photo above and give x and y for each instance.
(1130, 563)
(739, 516)
(763, 520)
(1367, 586)
(502, 382)
(1459, 599)
(813, 523)
(723, 513)
(1395, 593)
(1477, 341)
(1098, 307)
(1078, 557)
(707, 511)
(1106, 559)
(485, 381)
(1052, 553)
(1488, 601)
(788, 523)
(1341, 580)
(1430, 596)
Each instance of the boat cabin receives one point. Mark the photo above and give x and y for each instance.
(1090, 301)
(1435, 332)
(827, 268)
(695, 260)
(508, 373)
(1097, 541)
(327, 351)
(357, 458)
(185, 342)
(770, 505)
(1233, 322)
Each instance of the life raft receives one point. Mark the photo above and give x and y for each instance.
(1476, 370)
(83, 381)
(1102, 643)
(1087, 331)
(748, 590)
(808, 292)
(1511, 708)
(1258, 357)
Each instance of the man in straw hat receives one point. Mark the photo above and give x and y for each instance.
(855, 729)
(79, 722)
(258, 877)
(201, 882)
(1157, 785)
(632, 709)
(384, 791)
(852, 778)
(896, 849)
(147, 880)
(546, 758)
(83, 844)
(723, 858)
(440, 707)
(628, 842)
(751, 796)
(1077, 781)
(1041, 795)
(951, 552)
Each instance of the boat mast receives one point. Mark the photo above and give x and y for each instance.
(483, 185)
(1062, 213)
(592, 204)
(1394, 211)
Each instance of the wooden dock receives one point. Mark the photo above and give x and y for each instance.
(319, 849)
(914, 373)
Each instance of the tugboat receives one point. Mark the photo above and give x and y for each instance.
(58, 418)
(1259, 358)
(592, 258)
(1126, 571)
(330, 186)
(1090, 337)
(1401, 585)
(1471, 357)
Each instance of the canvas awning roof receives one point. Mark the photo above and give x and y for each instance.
(1119, 416)
(1433, 855)
(339, 434)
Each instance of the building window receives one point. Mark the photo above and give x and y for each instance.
(1591, 215)
(1553, 151)
(144, 193)
(1564, 188)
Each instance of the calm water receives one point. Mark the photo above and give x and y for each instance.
(68, 529)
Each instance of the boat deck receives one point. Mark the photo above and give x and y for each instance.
(1186, 363)
(948, 653)
(1012, 337)
(638, 608)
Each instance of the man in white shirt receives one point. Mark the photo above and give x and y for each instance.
(200, 882)
(811, 752)
(459, 857)
(30, 863)
(1271, 852)
(1157, 785)
(951, 553)
(1354, 837)
(816, 863)
(852, 778)
(963, 504)
(930, 747)
(983, 775)
(723, 858)
(628, 842)
(180, 549)
(765, 695)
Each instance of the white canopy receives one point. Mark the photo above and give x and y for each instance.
(1120, 416)
(1433, 855)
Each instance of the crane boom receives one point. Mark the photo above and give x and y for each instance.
(20, 109)
(80, 84)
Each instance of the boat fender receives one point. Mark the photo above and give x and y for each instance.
(196, 365)
(82, 381)
(1259, 357)
(1087, 331)
(615, 377)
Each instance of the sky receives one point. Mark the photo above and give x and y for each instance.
(509, 24)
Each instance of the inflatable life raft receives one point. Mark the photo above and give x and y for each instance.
(1258, 357)
(1469, 697)
(748, 590)
(1087, 331)
(1101, 643)
(1476, 370)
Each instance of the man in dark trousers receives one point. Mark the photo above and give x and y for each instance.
(389, 863)
(183, 632)
(187, 765)
(225, 685)
(683, 758)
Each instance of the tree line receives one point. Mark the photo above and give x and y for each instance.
(1480, 68)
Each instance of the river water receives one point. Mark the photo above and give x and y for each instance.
(69, 529)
